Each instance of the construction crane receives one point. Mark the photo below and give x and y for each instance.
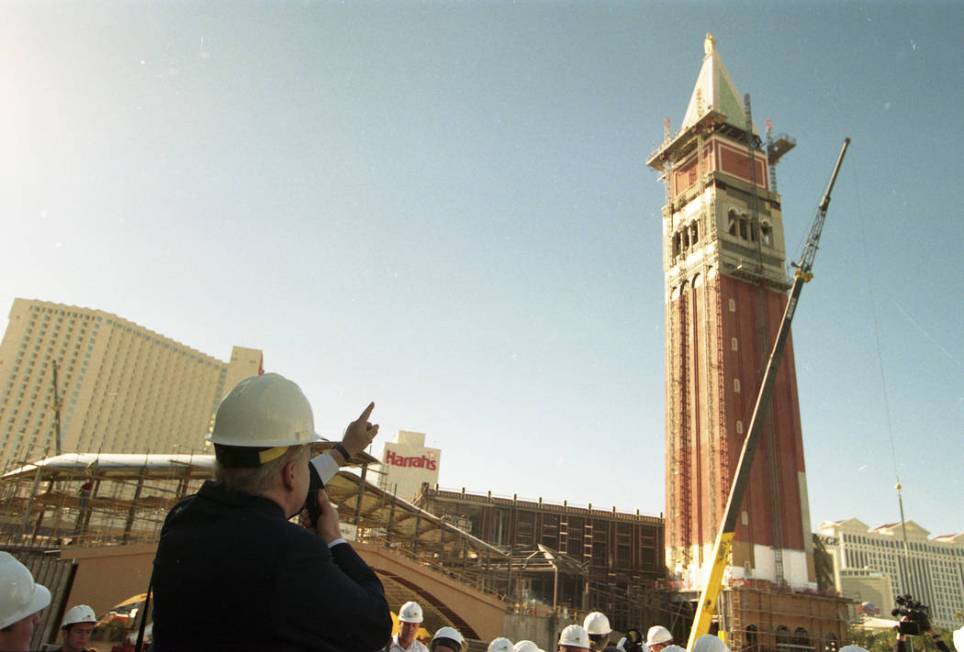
(721, 548)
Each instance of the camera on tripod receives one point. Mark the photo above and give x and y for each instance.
(916, 613)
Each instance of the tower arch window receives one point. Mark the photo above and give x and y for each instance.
(766, 232)
(695, 232)
(752, 638)
(739, 427)
(732, 305)
(731, 222)
(734, 344)
(744, 228)
(784, 639)
(736, 385)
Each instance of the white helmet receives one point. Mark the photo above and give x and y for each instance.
(959, 639)
(450, 634)
(78, 614)
(411, 612)
(20, 596)
(710, 643)
(574, 636)
(658, 634)
(501, 644)
(525, 646)
(264, 411)
(596, 623)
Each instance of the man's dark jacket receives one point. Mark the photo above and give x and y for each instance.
(231, 573)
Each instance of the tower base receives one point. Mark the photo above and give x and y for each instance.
(760, 616)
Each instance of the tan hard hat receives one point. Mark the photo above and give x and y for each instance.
(268, 412)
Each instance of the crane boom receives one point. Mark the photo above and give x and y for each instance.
(724, 538)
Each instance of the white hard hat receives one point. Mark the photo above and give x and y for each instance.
(411, 612)
(596, 623)
(658, 634)
(574, 636)
(501, 644)
(525, 646)
(20, 596)
(854, 648)
(264, 412)
(79, 614)
(709, 643)
(959, 639)
(449, 633)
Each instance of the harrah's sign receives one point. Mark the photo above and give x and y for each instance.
(419, 462)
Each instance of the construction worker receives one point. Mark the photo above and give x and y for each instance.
(231, 571)
(631, 642)
(657, 638)
(500, 644)
(597, 626)
(409, 618)
(573, 639)
(77, 626)
(525, 646)
(447, 639)
(21, 601)
(710, 643)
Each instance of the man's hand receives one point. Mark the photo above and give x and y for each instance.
(360, 433)
(328, 527)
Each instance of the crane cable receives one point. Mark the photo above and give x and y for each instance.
(880, 368)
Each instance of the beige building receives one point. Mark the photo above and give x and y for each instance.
(930, 569)
(123, 388)
(866, 585)
(407, 463)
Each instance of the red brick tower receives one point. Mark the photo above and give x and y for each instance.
(724, 262)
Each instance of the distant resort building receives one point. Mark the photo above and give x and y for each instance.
(873, 564)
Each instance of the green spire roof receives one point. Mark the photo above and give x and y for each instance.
(715, 90)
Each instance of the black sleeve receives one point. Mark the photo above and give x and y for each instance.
(941, 645)
(901, 646)
(333, 597)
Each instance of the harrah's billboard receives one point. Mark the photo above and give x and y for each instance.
(412, 461)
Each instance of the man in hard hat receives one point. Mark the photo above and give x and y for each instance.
(573, 639)
(631, 642)
(657, 638)
(597, 627)
(525, 646)
(231, 571)
(77, 626)
(21, 601)
(409, 618)
(447, 639)
(500, 644)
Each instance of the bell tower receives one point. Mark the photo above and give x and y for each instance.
(724, 264)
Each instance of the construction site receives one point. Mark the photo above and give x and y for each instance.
(732, 554)
(88, 525)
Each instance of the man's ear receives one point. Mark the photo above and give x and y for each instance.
(288, 475)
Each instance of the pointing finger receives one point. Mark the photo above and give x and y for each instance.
(367, 412)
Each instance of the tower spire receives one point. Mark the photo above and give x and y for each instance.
(715, 91)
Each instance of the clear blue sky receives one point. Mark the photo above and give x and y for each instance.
(444, 207)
